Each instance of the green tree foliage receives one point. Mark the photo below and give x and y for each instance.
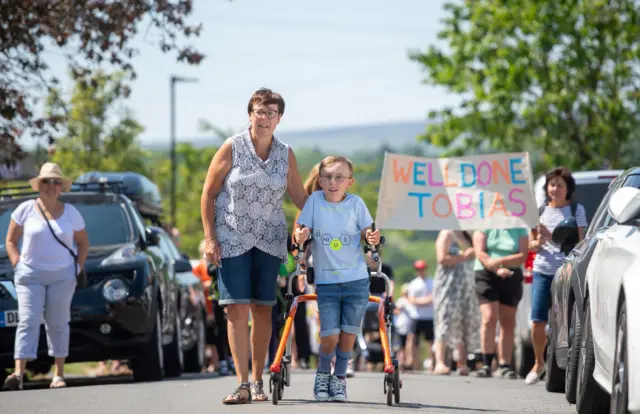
(88, 140)
(192, 166)
(557, 76)
(88, 34)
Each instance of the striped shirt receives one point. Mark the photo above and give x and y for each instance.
(549, 257)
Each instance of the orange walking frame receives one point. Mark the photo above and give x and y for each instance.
(280, 368)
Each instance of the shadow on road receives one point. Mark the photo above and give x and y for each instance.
(383, 405)
(112, 379)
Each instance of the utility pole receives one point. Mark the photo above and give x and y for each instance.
(172, 97)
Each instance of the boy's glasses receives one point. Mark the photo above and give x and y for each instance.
(269, 114)
(338, 178)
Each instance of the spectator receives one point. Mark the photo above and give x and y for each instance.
(45, 271)
(500, 254)
(246, 233)
(403, 323)
(559, 188)
(455, 301)
(420, 295)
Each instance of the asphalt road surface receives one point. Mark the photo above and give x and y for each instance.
(203, 394)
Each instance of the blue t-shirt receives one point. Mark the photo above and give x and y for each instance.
(337, 256)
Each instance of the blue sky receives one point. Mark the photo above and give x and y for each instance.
(335, 62)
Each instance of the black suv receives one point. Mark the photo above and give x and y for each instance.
(129, 308)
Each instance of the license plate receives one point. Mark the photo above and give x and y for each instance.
(8, 318)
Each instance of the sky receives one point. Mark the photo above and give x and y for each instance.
(336, 63)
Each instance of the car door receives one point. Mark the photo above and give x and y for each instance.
(620, 245)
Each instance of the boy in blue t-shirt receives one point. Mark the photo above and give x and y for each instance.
(339, 221)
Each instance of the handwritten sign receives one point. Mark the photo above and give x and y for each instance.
(490, 191)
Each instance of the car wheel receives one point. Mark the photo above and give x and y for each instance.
(591, 399)
(524, 359)
(194, 358)
(573, 353)
(554, 376)
(148, 365)
(620, 391)
(173, 353)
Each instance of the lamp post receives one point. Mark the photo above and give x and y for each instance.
(173, 80)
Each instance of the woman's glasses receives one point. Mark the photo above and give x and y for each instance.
(51, 181)
(269, 114)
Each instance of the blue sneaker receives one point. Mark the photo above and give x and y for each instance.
(321, 386)
(338, 389)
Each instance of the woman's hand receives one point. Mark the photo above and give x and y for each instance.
(212, 251)
(504, 272)
(373, 237)
(469, 253)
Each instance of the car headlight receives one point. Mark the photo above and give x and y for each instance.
(115, 290)
(123, 254)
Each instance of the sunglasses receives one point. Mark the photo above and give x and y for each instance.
(51, 181)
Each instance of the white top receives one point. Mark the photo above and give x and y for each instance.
(40, 250)
(419, 288)
(403, 320)
(549, 257)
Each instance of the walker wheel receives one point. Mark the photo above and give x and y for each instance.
(275, 385)
(390, 388)
(396, 387)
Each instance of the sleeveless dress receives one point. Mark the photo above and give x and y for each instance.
(456, 305)
(249, 205)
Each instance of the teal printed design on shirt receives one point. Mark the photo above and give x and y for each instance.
(336, 248)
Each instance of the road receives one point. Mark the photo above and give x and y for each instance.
(203, 394)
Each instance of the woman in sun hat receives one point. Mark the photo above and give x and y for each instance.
(45, 270)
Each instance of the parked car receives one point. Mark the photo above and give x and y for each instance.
(587, 301)
(128, 311)
(191, 303)
(591, 186)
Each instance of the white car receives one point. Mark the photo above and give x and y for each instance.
(608, 379)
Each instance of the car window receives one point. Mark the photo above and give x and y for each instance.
(601, 212)
(106, 223)
(603, 218)
(590, 195)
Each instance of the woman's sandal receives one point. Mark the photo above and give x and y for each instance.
(257, 391)
(241, 395)
(57, 382)
(13, 382)
(441, 371)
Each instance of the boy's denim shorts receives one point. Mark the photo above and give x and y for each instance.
(250, 278)
(540, 297)
(342, 306)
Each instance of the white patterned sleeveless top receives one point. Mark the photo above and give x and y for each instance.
(249, 205)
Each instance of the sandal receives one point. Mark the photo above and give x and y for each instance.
(13, 382)
(484, 372)
(257, 391)
(57, 382)
(238, 396)
(441, 371)
(507, 373)
(463, 371)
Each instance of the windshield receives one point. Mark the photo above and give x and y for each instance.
(106, 223)
(590, 196)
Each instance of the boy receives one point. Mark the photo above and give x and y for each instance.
(338, 221)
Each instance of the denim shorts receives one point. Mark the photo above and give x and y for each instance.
(250, 278)
(541, 297)
(342, 306)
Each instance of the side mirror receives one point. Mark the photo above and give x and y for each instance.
(152, 238)
(566, 234)
(181, 266)
(624, 205)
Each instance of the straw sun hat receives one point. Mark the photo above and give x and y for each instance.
(51, 170)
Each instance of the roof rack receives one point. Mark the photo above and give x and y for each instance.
(26, 190)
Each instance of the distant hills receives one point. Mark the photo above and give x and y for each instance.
(394, 135)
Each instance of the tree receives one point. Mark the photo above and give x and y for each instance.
(89, 34)
(560, 77)
(88, 142)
